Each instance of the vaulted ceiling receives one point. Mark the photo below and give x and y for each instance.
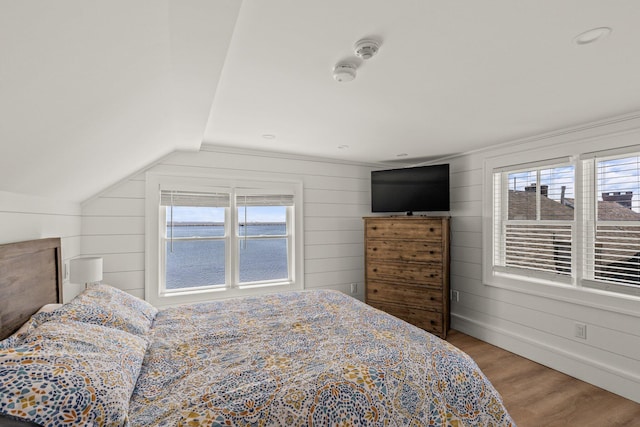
(91, 92)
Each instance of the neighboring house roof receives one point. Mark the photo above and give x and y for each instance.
(522, 206)
(612, 211)
(616, 259)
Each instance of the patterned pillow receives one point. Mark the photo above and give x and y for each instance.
(15, 338)
(115, 299)
(72, 374)
(107, 306)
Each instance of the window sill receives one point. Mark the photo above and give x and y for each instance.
(588, 297)
(213, 294)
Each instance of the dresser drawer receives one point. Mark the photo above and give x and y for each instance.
(415, 296)
(410, 273)
(423, 229)
(430, 321)
(405, 251)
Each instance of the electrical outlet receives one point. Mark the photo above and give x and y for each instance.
(455, 296)
(581, 330)
(354, 288)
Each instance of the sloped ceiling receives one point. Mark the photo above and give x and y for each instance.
(92, 91)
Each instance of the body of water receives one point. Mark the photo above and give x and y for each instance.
(193, 263)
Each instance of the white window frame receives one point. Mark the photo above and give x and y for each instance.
(237, 239)
(162, 239)
(590, 220)
(593, 293)
(155, 218)
(501, 273)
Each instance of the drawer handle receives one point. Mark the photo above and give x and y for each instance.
(431, 229)
(375, 270)
(432, 299)
(433, 322)
(375, 291)
(375, 249)
(374, 228)
(431, 252)
(432, 275)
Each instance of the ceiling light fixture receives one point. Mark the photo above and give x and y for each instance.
(343, 147)
(592, 35)
(344, 72)
(268, 136)
(366, 48)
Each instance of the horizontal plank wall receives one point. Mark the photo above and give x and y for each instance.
(26, 217)
(541, 326)
(336, 197)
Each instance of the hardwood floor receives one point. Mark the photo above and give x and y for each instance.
(538, 396)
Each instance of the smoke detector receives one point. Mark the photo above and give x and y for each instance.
(366, 48)
(344, 72)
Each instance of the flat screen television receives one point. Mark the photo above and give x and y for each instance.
(415, 189)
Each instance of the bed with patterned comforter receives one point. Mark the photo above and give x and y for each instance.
(290, 359)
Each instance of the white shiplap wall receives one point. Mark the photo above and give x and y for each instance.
(27, 217)
(539, 323)
(336, 197)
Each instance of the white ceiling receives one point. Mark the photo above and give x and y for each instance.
(450, 76)
(93, 91)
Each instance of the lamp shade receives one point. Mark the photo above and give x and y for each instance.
(85, 270)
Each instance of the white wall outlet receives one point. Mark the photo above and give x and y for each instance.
(581, 331)
(354, 288)
(455, 295)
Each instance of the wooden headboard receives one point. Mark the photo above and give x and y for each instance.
(30, 277)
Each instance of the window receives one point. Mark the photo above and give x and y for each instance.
(534, 214)
(214, 238)
(194, 239)
(613, 231)
(263, 229)
(548, 228)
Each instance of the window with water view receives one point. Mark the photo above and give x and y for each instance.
(209, 245)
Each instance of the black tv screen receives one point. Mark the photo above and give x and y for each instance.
(416, 189)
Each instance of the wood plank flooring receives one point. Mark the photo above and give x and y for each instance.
(537, 396)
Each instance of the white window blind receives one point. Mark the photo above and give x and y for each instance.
(265, 200)
(539, 247)
(194, 199)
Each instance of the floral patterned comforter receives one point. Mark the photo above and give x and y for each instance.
(305, 358)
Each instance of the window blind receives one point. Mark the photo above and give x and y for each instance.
(265, 200)
(195, 199)
(538, 247)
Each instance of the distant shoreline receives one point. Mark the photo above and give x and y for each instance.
(217, 224)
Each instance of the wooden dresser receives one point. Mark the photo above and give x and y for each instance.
(407, 269)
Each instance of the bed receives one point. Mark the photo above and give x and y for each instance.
(296, 358)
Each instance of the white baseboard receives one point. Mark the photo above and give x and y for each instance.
(623, 383)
